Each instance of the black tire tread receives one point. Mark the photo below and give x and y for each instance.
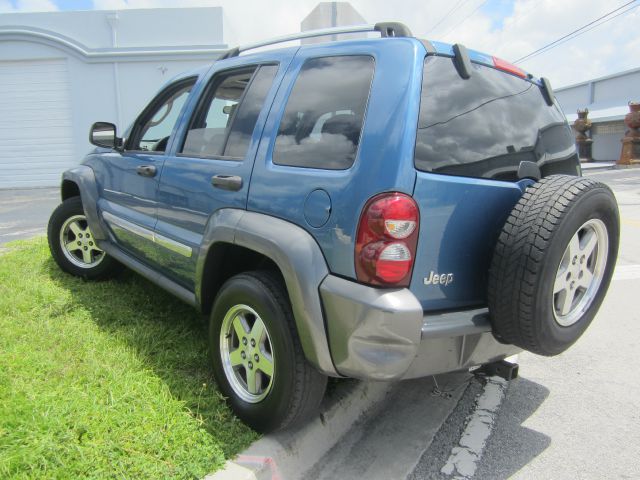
(310, 386)
(518, 256)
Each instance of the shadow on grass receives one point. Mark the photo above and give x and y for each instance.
(168, 336)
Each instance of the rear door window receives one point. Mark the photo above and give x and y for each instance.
(223, 124)
(323, 118)
(486, 125)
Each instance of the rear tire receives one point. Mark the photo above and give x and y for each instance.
(72, 244)
(553, 263)
(257, 357)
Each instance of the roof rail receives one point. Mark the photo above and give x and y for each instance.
(386, 29)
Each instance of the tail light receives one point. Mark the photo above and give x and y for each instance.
(387, 239)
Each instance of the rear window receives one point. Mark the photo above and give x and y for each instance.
(486, 125)
(324, 114)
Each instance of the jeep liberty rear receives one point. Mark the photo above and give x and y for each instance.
(380, 209)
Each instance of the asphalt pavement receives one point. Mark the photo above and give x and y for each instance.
(25, 213)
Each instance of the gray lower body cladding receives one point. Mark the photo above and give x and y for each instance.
(378, 334)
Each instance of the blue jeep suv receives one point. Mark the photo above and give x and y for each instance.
(378, 208)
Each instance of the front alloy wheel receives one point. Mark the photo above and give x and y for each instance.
(73, 246)
(78, 244)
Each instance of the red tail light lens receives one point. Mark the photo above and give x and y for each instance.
(508, 67)
(387, 239)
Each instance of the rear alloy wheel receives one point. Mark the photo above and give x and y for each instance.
(553, 263)
(73, 246)
(256, 354)
(247, 354)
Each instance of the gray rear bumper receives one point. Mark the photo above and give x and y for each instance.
(378, 334)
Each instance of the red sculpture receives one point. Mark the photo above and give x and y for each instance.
(630, 154)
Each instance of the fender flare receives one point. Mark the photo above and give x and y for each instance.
(298, 257)
(85, 179)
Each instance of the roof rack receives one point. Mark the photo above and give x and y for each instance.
(386, 29)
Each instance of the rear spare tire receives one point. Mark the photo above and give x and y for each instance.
(553, 263)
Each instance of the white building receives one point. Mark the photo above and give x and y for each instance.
(61, 71)
(607, 99)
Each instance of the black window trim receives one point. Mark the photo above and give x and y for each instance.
(160, 98)
(213, 84)
(364, 116)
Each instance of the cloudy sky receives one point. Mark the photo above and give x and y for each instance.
(506, 28)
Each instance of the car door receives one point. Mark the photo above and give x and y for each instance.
(212, 157)
(128, 179)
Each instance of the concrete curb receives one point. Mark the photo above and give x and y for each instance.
(591, 166)
(286, 454)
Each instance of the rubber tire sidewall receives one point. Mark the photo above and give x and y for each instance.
(274, 408)
(594, 204)
(68, 208)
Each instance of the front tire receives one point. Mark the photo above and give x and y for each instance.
(72, 244)
(257, 357)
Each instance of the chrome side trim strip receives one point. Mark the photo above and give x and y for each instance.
(147, 234)
(131, 227)
(172, 245)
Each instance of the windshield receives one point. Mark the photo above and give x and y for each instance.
(486, 125)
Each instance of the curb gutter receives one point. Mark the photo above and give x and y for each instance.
(286, 454)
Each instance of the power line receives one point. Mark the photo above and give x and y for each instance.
(571, 34)
(458, 4)
(465, 18)
(585, 31)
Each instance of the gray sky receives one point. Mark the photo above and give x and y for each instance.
(506, 28)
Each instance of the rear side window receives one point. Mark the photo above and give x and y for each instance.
(323, 118)
(486, 125)
(224, 121)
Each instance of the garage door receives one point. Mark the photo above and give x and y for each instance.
(35, 124)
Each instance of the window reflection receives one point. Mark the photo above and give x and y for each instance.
(324, 114)
(486, 125)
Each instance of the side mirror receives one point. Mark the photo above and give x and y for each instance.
(103, 134)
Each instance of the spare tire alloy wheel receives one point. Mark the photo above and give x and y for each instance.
(580, 272)
(247, 354)
(553, 263)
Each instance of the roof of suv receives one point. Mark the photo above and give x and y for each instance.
(461, 55)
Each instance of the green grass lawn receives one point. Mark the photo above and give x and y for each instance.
(104, 379)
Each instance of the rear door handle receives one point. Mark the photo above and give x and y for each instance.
(227, 182)
(146, 170)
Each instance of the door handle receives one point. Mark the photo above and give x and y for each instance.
(227, 182)
(146, 170)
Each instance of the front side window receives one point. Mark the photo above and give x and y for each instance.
(153, 129)
(324, 114)
(223, 124)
